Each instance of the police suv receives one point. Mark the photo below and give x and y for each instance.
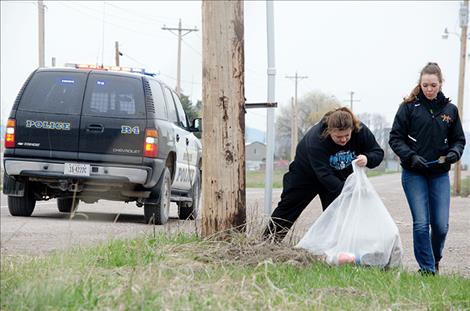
(83, 134)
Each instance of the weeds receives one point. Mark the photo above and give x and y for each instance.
(184, 272)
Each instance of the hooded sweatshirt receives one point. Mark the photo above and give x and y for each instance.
(319, 161)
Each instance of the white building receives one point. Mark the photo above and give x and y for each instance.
(255, 155)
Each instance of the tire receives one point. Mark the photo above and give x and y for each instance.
(22, 206)
(159, 213)
(67, 205)
(191, 210)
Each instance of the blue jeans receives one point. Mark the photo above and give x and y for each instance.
(429, 200)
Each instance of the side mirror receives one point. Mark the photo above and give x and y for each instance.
(196, 126)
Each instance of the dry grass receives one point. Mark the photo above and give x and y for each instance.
(181, 272)
(232, 270)
(246, 250)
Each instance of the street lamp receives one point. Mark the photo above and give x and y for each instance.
(445, 34)
(463, 14)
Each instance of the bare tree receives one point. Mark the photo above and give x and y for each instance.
(311, 109)
(377, 124)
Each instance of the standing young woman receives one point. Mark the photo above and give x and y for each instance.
(427, 135)
(321, 165)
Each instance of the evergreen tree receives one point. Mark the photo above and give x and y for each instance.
(192, 111)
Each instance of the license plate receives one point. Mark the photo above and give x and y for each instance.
(77, 169)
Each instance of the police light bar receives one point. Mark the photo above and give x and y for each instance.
(110, 68)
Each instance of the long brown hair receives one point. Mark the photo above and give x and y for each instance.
(430, 69)
(340, 119)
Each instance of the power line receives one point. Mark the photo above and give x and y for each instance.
(194, 49)
(78, 10)
(180, 35)
(140, 16)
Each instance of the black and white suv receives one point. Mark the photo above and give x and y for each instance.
(85, 135)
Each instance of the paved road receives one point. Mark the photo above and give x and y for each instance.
(49, 230)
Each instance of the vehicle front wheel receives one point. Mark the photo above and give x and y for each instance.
(67, 205)
(22, 206)
(190, 210)
(159, 213)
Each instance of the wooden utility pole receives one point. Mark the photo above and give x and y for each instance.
(223, 135)
(463, 56)
(295, 129)
(178, 64)
(294, 126)
(351, 100)
(41, 33)
(116, 52)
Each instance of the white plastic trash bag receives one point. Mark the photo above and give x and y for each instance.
(356, 228)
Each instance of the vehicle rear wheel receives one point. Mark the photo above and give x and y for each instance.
(67, 205)
(190, 210)
(159, 213)
(22, 206)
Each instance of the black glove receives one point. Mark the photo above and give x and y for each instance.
(418, 162)
(452, 157)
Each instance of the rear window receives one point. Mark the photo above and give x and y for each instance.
(114, 96)
(54, 92)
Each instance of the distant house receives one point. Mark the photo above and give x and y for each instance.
(255, 155)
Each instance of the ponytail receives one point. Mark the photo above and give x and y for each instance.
(413, 95)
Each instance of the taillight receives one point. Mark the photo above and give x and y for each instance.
(10, 134)
(151, 144)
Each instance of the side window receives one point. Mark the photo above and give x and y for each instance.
(159, 100)
(171, 107)
(180, 110)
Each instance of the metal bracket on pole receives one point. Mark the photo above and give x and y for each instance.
(260, 105)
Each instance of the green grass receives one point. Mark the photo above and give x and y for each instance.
(182, 272)
(465, 187)
(255, 179)
(379, 172)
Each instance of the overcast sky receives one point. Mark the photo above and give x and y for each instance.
(375, 49)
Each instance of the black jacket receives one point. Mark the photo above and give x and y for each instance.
(320, 162)
(429, 129)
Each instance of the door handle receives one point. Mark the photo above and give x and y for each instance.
(177, 137)
(97, 128)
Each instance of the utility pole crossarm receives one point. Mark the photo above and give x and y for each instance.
(297, 77)
(352, 100)
(188, 30)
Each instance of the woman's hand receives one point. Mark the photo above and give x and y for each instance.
(361, 160)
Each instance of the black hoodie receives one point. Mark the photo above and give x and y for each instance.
(429, 128)
(320, 161)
